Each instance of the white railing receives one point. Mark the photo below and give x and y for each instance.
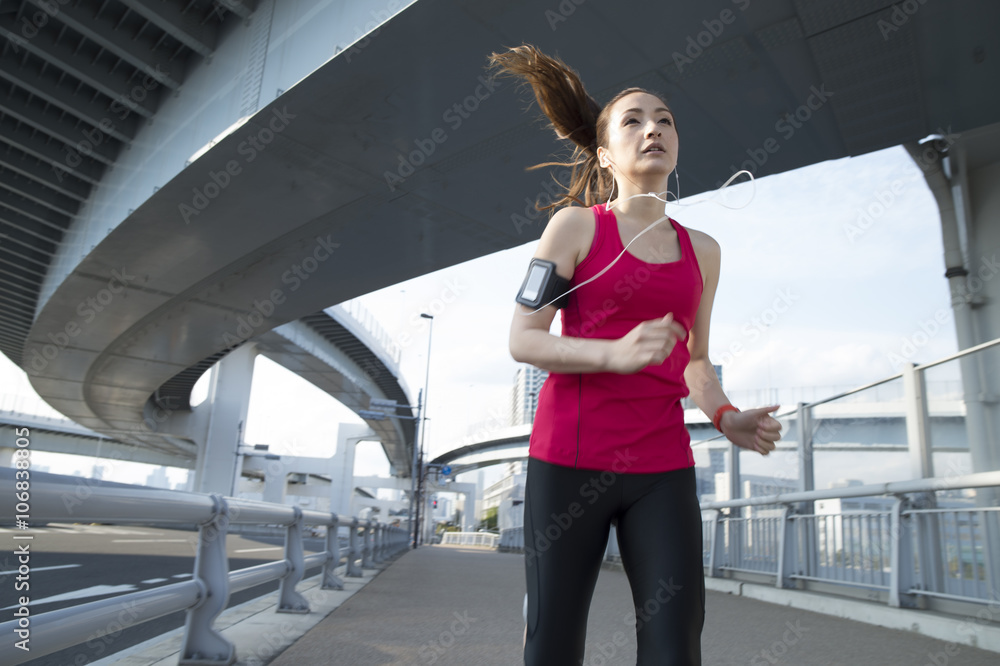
(485, 539)
(367, 320)
(55, 498)
(913, 551)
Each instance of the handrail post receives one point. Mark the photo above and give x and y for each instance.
(917, 423)
(377, 556)
(366, 561)
(787, 548)
(809, 562)
(901, 577)
(331, 581)
(291, 601)
(353, 570)
(718, 539)
(201, 644)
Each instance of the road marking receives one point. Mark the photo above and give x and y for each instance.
(153, 580)
(257, 550)
(152, 541)
(61, 566)
(95, 591)
(185, 575)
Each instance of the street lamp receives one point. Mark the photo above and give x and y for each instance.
(417, 483)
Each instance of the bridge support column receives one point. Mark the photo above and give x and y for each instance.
(963, 171)
(6, 456)
(342, 466)
(228, 403)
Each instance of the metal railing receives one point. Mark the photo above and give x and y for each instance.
(485, 539)
(907, 554)
(56, 498)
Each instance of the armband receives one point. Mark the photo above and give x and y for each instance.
(542, 284)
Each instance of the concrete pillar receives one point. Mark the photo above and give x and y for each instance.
(228, 403)
(469, 514)
(275, 480)
(342, 466)
(6, 456)
(962, 171)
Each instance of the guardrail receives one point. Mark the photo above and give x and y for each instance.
(56, 498)
(470, 539)
(909, 553)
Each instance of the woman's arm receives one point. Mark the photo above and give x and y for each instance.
(566, 241)
(753, 429)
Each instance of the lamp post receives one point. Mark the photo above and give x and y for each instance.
(419, 458)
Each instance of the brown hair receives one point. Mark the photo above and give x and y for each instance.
(574, 115)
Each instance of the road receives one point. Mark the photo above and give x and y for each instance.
(73, 564)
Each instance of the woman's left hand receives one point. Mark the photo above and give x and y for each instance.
(754, 429)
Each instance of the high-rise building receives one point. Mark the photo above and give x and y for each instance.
(528, 382)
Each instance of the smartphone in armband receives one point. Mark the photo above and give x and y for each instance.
(542, 285)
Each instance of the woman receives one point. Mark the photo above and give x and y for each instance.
(609, 445)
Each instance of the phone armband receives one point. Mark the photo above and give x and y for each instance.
(542, 285)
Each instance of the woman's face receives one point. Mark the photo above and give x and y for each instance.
(641, 137)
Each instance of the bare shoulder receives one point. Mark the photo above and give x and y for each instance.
(568, 236)
(703, 243)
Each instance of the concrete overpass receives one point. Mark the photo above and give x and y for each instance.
(180, 178)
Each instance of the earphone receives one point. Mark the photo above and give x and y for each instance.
(666, 202)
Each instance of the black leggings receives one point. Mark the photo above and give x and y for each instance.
(567, 516)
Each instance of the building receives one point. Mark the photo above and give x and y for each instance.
(507, 495)
(528, 382)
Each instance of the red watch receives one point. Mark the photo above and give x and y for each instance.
(717, 419)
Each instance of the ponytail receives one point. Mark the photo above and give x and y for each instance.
(573, 114)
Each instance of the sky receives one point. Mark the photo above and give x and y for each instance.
(831, 277)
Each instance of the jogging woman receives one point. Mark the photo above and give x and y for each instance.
(608, 445)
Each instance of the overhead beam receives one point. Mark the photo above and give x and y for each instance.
(103, 33)
(242, 8)
(87, 141)
(40, 194)
(193, 33)
(122, 124)
(117, 85)
(61, 163)
(32, 210)
(29, 167)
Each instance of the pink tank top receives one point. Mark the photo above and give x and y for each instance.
(607, 421)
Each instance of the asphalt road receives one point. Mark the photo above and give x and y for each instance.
(73, 564)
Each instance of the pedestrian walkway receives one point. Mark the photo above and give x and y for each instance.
(458, 606)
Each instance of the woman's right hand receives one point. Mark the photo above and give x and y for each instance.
(649, 343)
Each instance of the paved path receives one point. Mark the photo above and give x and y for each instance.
(454, 606)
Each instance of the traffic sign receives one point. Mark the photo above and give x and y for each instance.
(446, 470)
